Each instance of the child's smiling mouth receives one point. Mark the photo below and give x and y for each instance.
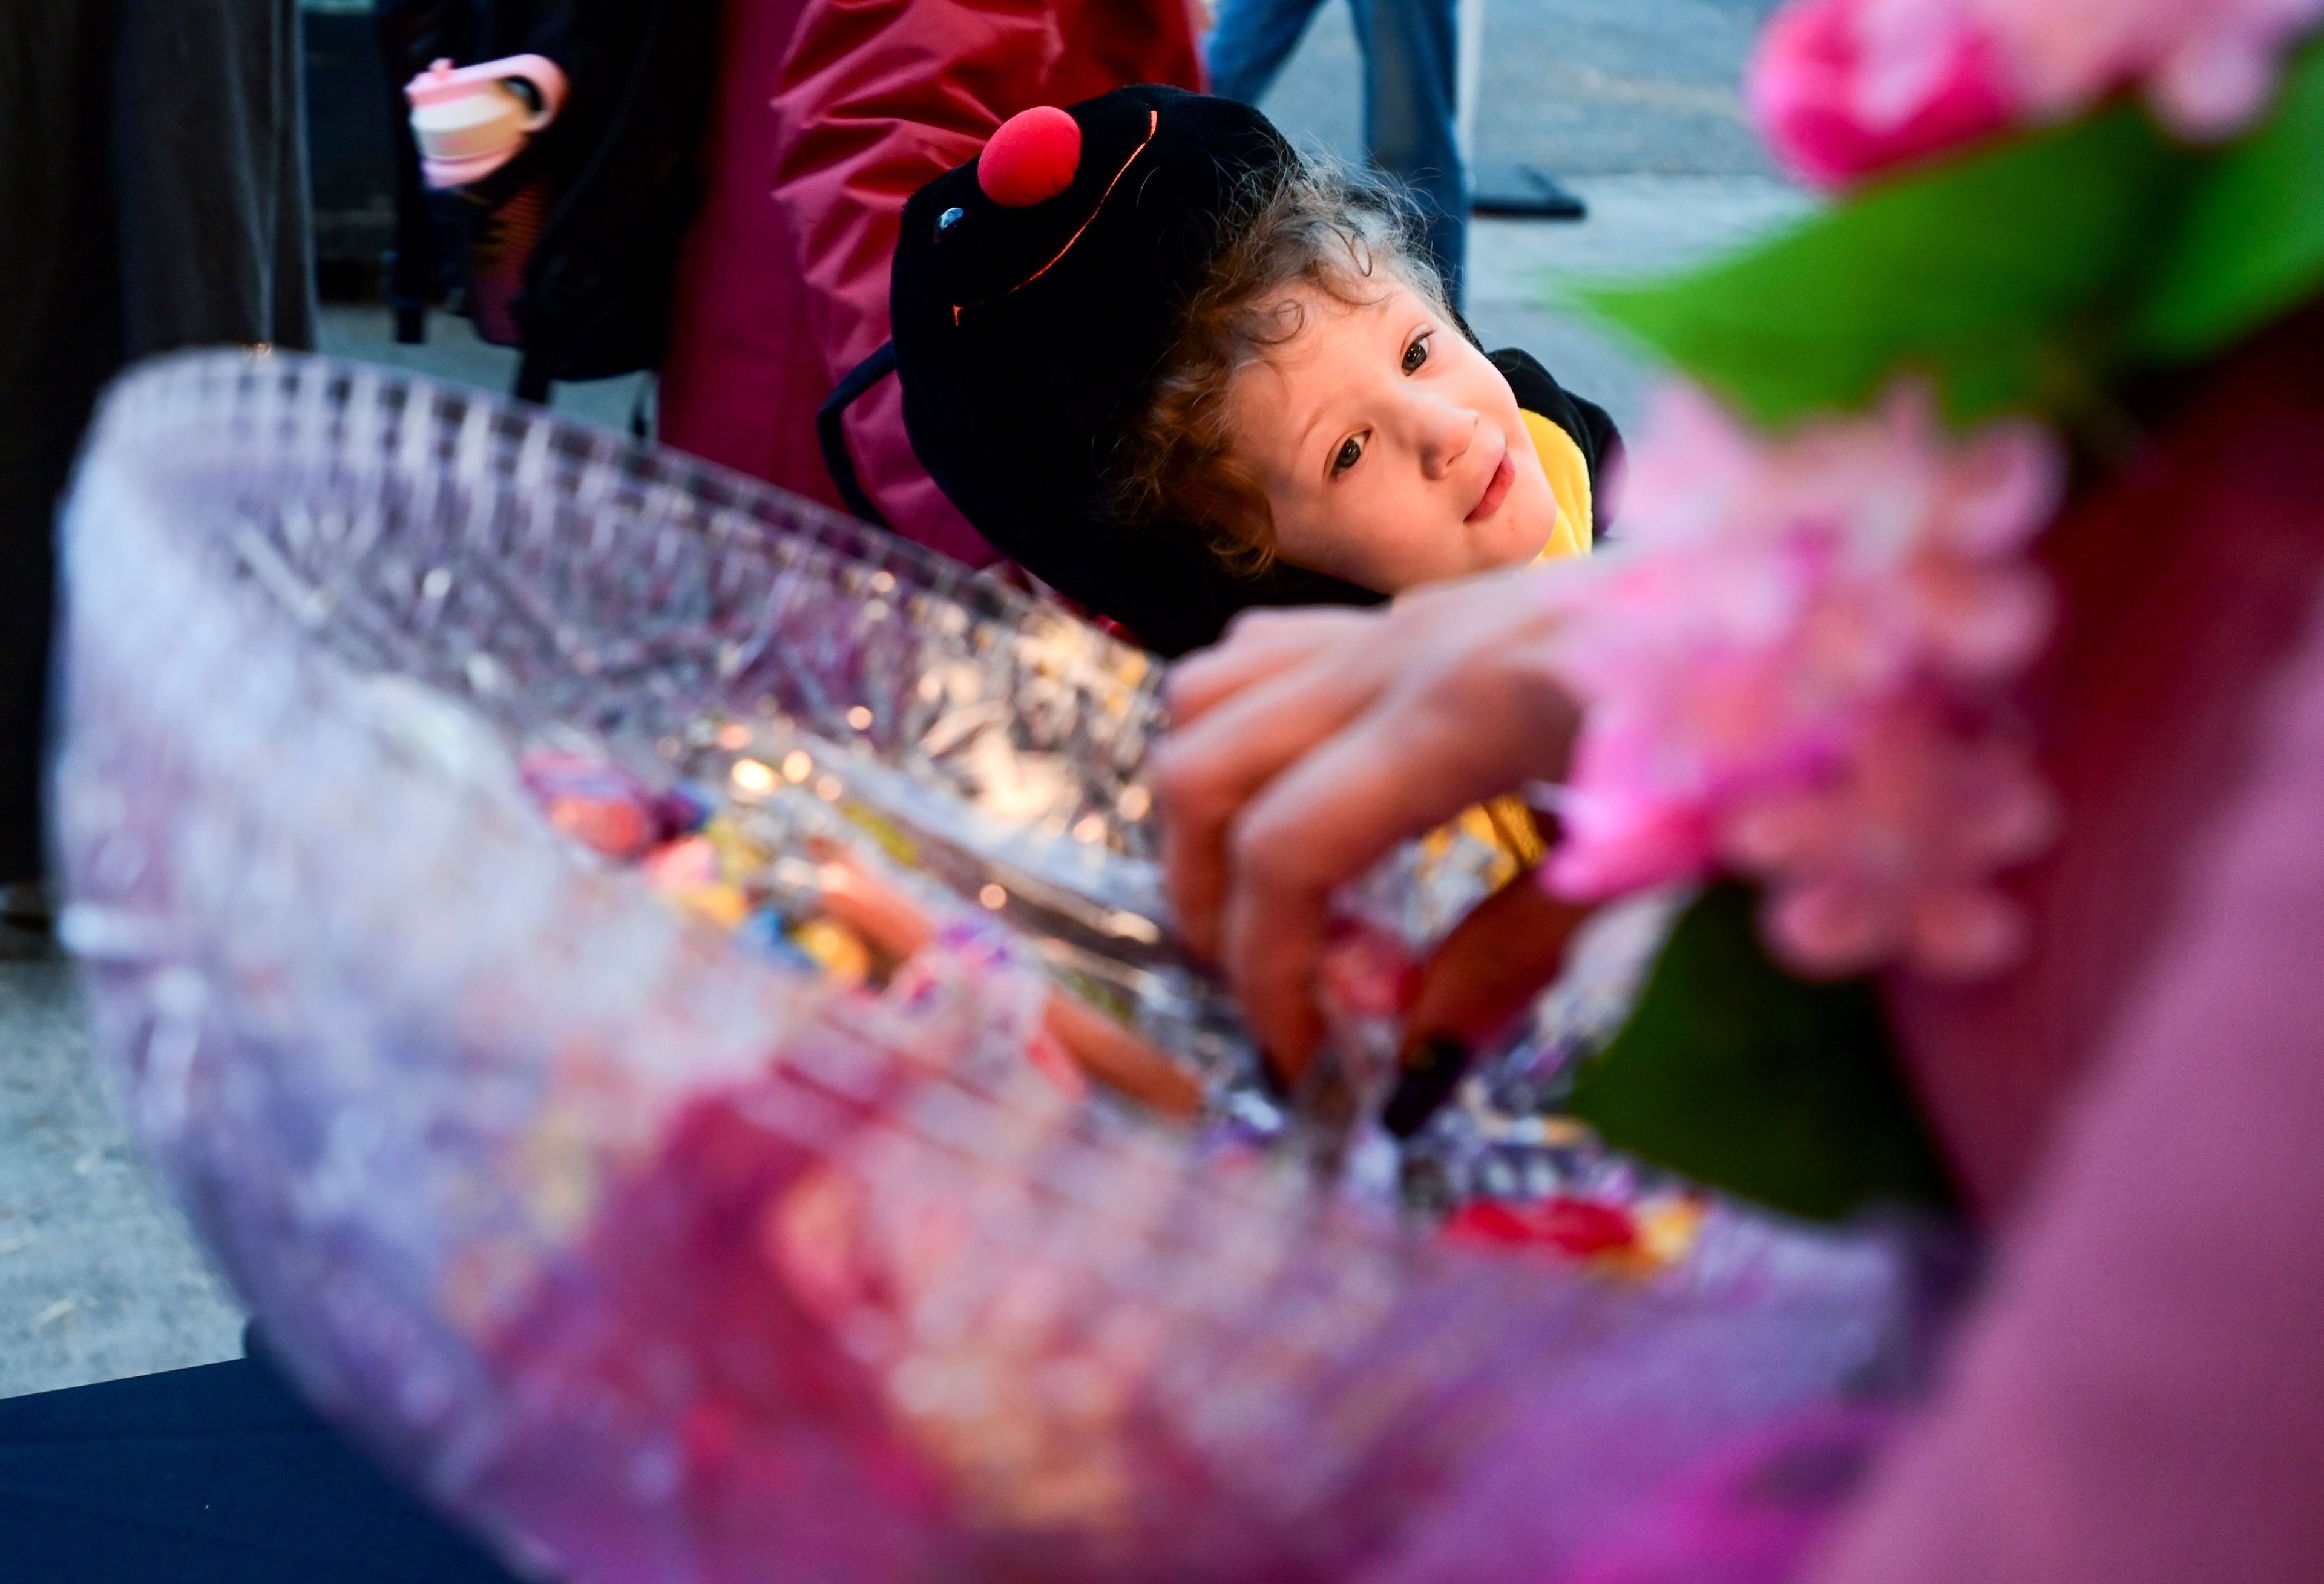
(1496, 490)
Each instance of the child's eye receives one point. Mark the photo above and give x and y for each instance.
(1416, 355)
(1351, 452)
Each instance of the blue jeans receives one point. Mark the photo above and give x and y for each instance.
(1411, 51)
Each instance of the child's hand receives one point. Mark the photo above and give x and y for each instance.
(1311, 742)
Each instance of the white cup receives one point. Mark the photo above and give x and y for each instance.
(471, 120)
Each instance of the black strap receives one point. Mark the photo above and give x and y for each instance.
(532, 380)
(642, 418)
(1537, 391)
(412, 33)
(834, 438)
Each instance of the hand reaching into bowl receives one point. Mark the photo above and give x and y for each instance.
(1308, 743)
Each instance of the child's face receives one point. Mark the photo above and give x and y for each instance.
(1390, 449)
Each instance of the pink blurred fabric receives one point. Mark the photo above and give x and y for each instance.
(831, 114)
(2139, 1394)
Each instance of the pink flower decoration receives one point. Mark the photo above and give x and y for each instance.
(2209, 65)
(1792, 667)
(1843, 89)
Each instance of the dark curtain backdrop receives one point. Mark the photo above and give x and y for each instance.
(152, 196)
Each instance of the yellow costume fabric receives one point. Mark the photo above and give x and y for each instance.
(1506, 822)
(1569, 480)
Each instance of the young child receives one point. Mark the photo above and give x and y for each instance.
(1175, 370)
(1321, 404)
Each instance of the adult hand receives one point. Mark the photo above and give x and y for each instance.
(1310, 743)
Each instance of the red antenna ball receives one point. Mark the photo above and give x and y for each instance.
(1031, 159)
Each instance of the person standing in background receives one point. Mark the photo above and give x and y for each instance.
(152, 196)
(1411, 55)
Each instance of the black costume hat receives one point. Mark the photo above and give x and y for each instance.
(1029, 328)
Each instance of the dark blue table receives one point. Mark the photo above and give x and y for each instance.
(218, 1475)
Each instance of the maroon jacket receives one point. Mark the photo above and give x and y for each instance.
(832, 113)
(2139, 1396)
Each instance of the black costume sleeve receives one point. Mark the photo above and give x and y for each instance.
(1537, 391)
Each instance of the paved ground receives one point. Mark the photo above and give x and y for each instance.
(97, 1277)
(1637, 224)
(1634, 101)
(1584, 87)
(452, 352)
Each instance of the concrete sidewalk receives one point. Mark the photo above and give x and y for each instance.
(1640, 226)
(1632, 101)
(99, 1277)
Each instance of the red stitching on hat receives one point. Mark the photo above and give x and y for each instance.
(1153, 125)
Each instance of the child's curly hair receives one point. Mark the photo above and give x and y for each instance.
(1320, 226)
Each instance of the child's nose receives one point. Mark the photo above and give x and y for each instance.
(1446, 432)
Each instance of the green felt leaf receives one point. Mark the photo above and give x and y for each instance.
(2251, 244)
(2001, 275)
(1746, 1079)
